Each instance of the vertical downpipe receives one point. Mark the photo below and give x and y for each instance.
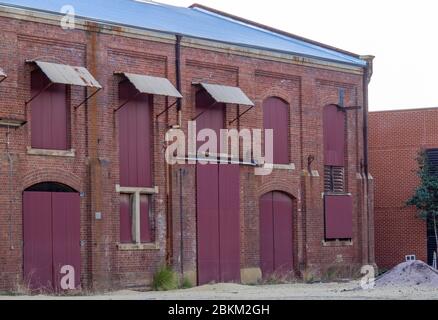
(95, 195)
(169, 254)
(366, 80)
(178, 76)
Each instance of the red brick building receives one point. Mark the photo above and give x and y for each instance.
(83, 172)
(396, 138)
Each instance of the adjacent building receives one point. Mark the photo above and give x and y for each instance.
(87, 99)
(396, 139)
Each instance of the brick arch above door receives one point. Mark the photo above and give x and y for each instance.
(279, 187)
(53, 175)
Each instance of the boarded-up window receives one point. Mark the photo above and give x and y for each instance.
(135, 143)
(50, 114)
(338, 217)
(276, 117)
(334, 149)
(135, 161)
(145, 223)
(338, 207)
(128, 218)
(334, 136)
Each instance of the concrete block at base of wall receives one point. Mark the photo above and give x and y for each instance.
(251, 275)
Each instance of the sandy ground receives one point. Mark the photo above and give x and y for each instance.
(331, 291)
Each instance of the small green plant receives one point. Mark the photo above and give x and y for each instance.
(279, 278)
(186, 284)
(164, 280)
(310, 275)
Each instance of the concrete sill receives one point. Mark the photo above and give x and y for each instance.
(137, 247)
(289, 167)
(51, 153)
(337, 243)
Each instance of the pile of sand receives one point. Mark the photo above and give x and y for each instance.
(409, 274)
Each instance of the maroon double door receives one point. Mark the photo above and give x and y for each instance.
(51, 228)
(218, 206)
(276, 237)
(218, 224)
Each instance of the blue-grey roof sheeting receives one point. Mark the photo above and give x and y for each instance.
(192, 22)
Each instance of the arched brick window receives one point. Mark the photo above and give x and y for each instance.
(276, 117)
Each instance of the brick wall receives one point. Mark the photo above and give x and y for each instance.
(94, 168)
(396, 137)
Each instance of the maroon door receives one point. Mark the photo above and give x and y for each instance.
(66, 235)
(208, 223)
(49, 114)
(218, 206)
(135, 137)
(276, 237)
(229, 222)
(51, 237)
(37, 224)
(218, 223)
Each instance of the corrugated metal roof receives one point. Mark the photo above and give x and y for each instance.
(2, 73)
(153, 85)
(65, 74)
(226, 94)
(192, 22)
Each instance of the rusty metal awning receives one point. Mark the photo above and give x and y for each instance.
(65, 74)
(226, 94)
(152, 85)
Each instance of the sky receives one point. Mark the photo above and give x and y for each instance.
(402, 34)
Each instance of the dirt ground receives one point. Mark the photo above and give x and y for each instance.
(320, 291)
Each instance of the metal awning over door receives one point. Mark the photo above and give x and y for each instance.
(152, 85)
(227, 94)
(67, 75)
(3, 75)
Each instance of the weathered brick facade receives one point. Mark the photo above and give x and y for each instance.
(396, 138)
(306, 84)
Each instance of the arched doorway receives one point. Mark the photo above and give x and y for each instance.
(51, 234)
(276, 233)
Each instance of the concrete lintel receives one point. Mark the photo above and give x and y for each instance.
(289, 167)
(337, 243)
(138, 246)
(154, 190)
(51, 153)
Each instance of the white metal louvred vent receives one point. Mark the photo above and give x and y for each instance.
(334, 179)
